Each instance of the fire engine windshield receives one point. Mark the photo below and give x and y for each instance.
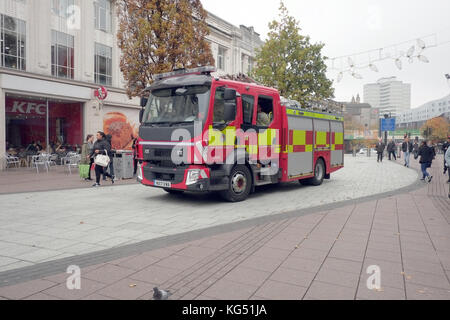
(177, 105)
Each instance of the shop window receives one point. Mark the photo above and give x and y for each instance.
(62, 55)
(103, 15)
(12, 42)
(103, 64)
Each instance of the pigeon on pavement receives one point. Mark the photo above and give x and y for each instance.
(160, 294)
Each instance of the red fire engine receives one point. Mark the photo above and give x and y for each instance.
(201, 133)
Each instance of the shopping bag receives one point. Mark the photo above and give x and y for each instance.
(84, 170)
(102, 160)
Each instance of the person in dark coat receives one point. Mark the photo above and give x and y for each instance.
(426, 154)
(111, 164)
(407, 148)
(380, 150)
(445, 147)
(101, 146)
(391, 149)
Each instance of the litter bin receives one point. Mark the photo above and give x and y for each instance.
(123, 164)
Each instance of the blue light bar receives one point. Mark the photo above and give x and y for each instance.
(181, 72)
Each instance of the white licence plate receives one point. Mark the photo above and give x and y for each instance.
(163, 184)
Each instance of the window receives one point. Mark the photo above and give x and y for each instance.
(248, 106)
(219, 106)
(62, 55)
(265, 111)
(103, 64)
(221, 58)
(103, 15)
(61, 7)
(12, 42)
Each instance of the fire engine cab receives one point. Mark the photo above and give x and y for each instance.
(201, 133)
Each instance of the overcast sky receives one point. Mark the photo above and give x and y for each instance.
(347, 27)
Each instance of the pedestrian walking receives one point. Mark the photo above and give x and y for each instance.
(445, 148)
(86, 151)
(110, 168)
(380, 150)
(407, 149)
(101, 146)
(391, 150)
(134, 154)
(426, 154)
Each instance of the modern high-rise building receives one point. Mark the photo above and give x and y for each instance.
(389, 95)
(55, 55)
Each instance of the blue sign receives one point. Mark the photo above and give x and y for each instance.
(388, 124)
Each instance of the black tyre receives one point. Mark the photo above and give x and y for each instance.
(171, 191)
(319, 173)
(239, 186)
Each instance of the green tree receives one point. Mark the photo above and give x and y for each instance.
(290, 63)
(158, 36)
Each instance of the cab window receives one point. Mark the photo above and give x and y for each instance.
(265, 111)
(248, 107)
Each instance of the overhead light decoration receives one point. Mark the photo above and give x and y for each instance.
(356, 75)
(410, 53)
(351, 63)
(373, 67)
(423, 58)
(398, 63)
(421, 44)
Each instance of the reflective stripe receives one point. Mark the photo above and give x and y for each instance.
(311, 114)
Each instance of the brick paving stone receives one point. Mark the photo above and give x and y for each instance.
(247, 276)
(383, 255)
(385, 293)
(138, 262)
(230, 290)
(267, 252)
(261, 263)
(291, 276)
(422, 266)
(419, 292)
(177, 262)
(427, 279)
(325, 291)
(274, 290)
(24, 290)
(311, 254)
(127, 289)
(196, 252)
(390, 280)
(97, 297)
(41, 297)
(347, 254)
(88, 287)
(108, 274)
(340, 278)
(302, 264)
(155, 274)
(342, 265)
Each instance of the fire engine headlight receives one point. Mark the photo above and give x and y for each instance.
(139, 171)
(194, 176)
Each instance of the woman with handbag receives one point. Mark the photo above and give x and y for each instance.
(100, 154)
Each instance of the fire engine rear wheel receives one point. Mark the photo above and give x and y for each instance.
(319, 173)
(239, 186)
(171, 191)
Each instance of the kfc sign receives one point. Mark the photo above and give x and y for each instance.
(24, 107)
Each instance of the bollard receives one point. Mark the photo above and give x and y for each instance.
(354, 152)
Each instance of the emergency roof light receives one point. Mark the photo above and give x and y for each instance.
(200, 70)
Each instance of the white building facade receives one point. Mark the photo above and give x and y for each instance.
(54, 56)
(415, 118)
(389, 95)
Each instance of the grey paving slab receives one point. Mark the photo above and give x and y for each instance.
(139, 214)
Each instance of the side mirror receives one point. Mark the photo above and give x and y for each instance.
(141, 115)
(144, 102)
(230, 94)
(229, 111)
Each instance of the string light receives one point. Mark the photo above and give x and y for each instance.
(416, 48)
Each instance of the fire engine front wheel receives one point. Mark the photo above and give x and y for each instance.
(239, 186)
